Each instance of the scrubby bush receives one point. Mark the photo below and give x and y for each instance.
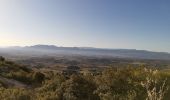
(115, 83)
(15, 94)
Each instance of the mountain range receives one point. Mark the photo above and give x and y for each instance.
(52, 50)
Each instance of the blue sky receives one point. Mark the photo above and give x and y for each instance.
(130, 24)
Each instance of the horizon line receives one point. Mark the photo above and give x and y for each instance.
(87, 47)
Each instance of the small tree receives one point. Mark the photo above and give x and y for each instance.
(2, 59)
(38, 77)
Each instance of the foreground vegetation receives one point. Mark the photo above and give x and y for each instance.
(113, 83)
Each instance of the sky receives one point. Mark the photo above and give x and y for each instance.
(122, 24)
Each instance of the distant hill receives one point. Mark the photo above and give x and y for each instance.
(51, 50)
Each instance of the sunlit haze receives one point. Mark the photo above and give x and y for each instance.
(128, 24)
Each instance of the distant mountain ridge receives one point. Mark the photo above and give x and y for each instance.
(38, 50)
(40, 46)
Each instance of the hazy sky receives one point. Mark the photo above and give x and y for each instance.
(132, 24)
